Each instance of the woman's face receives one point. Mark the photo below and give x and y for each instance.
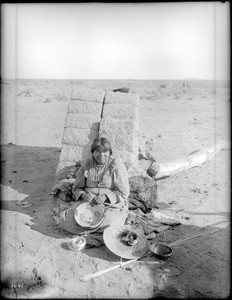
(101, 156)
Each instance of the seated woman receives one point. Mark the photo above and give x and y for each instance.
(100, 179)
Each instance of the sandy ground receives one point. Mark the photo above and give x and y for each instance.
(175, 121)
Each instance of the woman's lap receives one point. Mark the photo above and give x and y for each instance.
(65, 217)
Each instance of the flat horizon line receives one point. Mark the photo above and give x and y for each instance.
(117, 79)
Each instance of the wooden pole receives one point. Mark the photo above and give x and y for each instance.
(197, 158)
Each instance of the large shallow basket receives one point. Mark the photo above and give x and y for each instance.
(113, 243)
(88, 216)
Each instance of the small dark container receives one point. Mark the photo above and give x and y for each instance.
(123, 89)
(162, 251)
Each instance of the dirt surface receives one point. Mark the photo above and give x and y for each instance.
(176, 118)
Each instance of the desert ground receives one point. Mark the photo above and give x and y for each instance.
(176, 118)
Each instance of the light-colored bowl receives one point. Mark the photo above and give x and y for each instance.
(77, 243)
(88, 216)
(160, 250)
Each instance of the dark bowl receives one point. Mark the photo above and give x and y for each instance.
(162, 251)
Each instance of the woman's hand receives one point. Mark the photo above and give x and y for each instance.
(99, 199)
(88, 197)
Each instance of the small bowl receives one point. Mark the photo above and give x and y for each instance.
(162, 251)
(88, 216)
(77, 243)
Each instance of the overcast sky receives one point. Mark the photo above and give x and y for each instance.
(179, 40)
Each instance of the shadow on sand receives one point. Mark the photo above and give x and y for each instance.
(29, 173)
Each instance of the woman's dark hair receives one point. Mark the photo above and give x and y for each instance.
(102, 143)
